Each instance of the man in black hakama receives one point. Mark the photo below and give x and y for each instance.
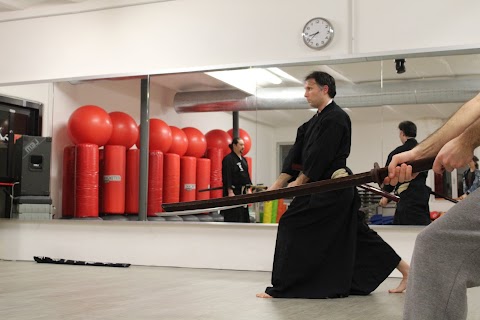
(413, 207)
(324, 249)
(236, 180)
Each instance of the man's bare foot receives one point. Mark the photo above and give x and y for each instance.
(264, 295)
(404, 268)
(401, 287)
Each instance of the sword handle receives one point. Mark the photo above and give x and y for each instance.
(420, 165)
(379, 174)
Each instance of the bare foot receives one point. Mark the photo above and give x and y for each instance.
(404, 269)
(264, 295)
(401, 287)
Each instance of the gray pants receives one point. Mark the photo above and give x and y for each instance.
(445, 262)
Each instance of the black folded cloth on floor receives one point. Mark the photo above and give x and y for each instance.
(80, 263)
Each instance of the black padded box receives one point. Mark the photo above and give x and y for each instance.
(32, 166)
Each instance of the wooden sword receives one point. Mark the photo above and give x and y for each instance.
(377, 175)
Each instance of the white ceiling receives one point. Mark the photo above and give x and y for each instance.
(15, 5)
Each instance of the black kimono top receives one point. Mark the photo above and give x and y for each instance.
(234, 173)
(322, 145)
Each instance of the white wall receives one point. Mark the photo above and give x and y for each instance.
(175, 244)
(173, 36)
(388, 26)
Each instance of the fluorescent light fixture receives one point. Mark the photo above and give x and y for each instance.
(246, 80)
(390, 108)
(283, 74)
(263, 76)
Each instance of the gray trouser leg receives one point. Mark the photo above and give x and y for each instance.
(445, 262)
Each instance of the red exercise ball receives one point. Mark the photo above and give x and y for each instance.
(160, 136)
(125, 130)
(218, 139)
(245, 137)
(179, 141)
(197, 145)
(90, 124)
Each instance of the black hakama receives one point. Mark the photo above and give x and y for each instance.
(327, 254)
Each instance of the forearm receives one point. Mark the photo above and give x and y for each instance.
(470, 138)
(302, 179)
(281, 181)
(461, 121)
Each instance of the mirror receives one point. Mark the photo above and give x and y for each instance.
(374, 95)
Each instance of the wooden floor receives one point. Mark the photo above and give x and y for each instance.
(44, 291)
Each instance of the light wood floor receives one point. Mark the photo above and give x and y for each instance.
(45, 291)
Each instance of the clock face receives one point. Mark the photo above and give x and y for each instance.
(317, 33)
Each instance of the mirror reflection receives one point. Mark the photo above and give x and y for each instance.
(270, 105)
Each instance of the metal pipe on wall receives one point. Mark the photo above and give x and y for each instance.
(144, 147)
(235, 124)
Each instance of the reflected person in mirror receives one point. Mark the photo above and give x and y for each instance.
(236, 180)
(324, 249)
(446, 257)
(413, 208)
(470, 178)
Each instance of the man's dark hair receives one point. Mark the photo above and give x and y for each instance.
(322, 79)
(409, 128)
(475, 159)
(234, 141)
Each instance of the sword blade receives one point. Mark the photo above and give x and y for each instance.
(375, 175)
(196, 211)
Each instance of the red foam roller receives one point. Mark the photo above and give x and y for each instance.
(132, 176)
(101, 166)
(188, 178)
(86, 181)
(203, 178)
(155, 183)
(68, 184)
(114, 179)
(171, 178)
(216, 156)
(250, 166)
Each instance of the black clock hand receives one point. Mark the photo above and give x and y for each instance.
(313, 35)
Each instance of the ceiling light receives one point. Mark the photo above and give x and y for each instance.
(263, 76)
(283, 74)
(246, 80)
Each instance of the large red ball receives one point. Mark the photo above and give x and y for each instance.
(160, 136)
(90, 124)
(197, 145)
(125, 130)
(245, 137)
(179, 141)
(218, 139)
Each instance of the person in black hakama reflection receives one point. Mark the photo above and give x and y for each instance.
(236, 180)
(413, 208)
(324, 249)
